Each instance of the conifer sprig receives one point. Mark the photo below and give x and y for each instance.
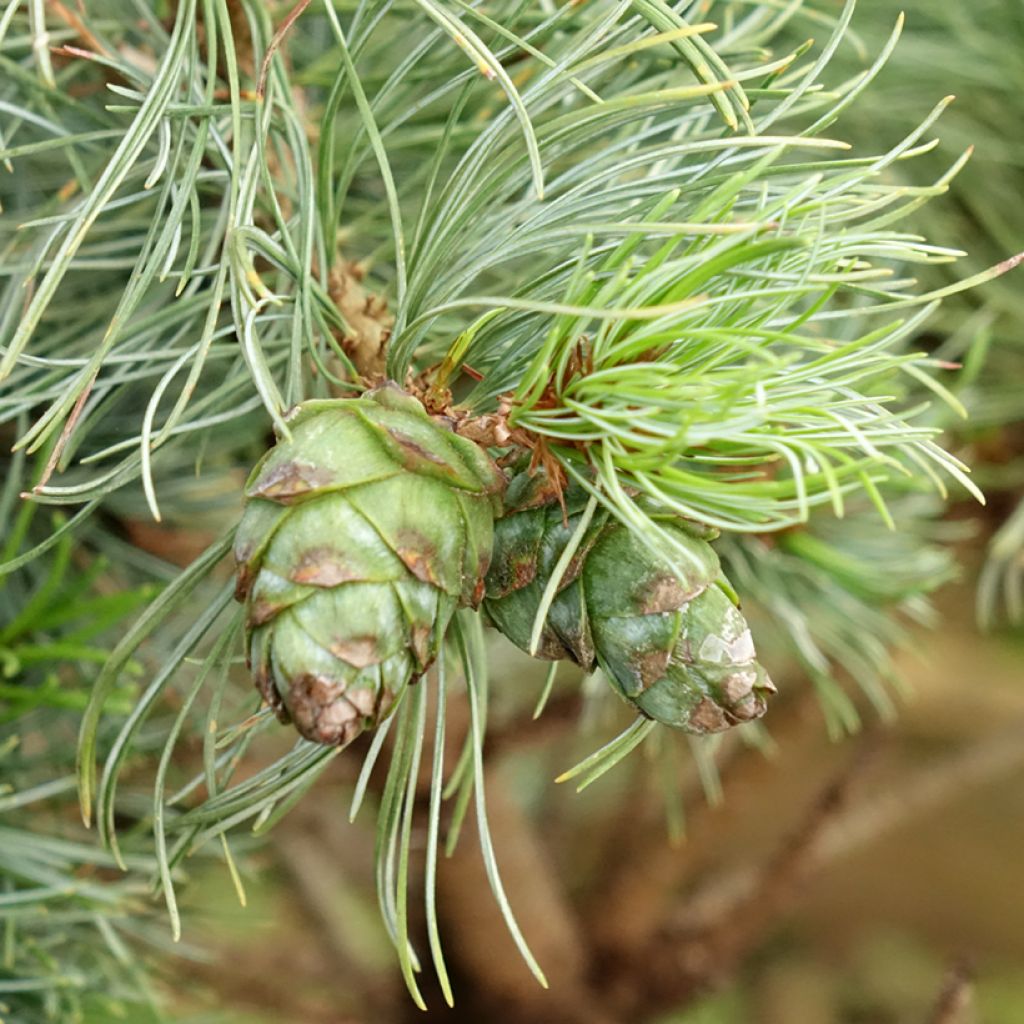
(209, 233)
(622, 221)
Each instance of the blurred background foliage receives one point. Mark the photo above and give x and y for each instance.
(78, 937)
(788, 878)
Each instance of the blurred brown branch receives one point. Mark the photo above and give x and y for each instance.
(678, 964)
(630, 905)
(886, 808)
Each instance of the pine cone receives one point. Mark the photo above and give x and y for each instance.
(668, 636)
(360, 538)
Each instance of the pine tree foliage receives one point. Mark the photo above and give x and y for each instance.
(76, 938)
(629, 235)
(973, 50)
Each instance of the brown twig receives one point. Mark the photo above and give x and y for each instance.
(736, 931)
(65, 435)
(864, 822)
(367, 322)
(290, 18)
(631, 905)
(678, 966)
(77, 25)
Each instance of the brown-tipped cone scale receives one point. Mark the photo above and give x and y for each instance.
(667, 634)
(363, 533)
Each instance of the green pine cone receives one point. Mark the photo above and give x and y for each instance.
(361, 536)
(668, 637)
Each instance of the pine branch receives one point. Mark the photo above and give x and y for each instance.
(615, 237)
(873, 816)
(630, 911)
(772, 242)
(713, 953)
